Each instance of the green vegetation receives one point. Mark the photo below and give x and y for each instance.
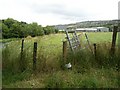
(8, 40)
(86, 70)
(100, 37)
(14, 29)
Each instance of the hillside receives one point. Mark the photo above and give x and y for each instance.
(105, 23)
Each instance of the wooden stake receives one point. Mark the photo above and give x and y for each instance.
(64, 50)
(114, 39)
(94, 50)
(22, 67)
(34, 55)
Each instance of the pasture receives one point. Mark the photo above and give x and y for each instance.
(50, 71)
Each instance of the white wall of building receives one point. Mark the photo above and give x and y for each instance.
(95, 29)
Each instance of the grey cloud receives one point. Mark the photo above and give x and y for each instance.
(59, 9)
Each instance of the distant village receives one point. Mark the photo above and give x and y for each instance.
(92, 29)
(90, 26)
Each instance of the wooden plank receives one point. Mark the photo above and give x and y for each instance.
(71, 31)
(68, 39)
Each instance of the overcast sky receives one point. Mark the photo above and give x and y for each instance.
(53, 12)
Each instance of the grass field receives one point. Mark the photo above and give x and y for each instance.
(87, 72)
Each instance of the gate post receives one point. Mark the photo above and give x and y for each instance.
(114, 39)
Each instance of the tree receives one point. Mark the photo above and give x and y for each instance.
(24, 29)
(56, 30)
(9, 22)
(5, 31)
(49, 30)
(35, 30)
(16, 30)
(40, 30)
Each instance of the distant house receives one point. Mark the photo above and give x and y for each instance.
(102, 29)
(86, 30)
(93, 29)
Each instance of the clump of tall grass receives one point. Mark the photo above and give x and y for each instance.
(47, 56)
(11, 57)
(92, 78)
(105, 57)
(54, 81)
(48, 60)
(11, 63)
(83, 59)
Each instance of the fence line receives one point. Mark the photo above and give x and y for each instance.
(63, 47)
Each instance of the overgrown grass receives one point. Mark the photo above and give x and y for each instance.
(98, 37)
(92, 78)
(8, 40)
(87, 71)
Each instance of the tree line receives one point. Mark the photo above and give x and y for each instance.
(14, 29)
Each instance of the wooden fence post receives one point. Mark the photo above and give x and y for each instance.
(22, 48)
(34, 55)
(64, 50)
(94, 50)
(114, 39)
(21, 58)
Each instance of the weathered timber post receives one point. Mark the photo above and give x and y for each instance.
(114, 39)
(21, 58)
(22, 48)
(34, 55)
(95, 50)
(64, 50)
(64, 54)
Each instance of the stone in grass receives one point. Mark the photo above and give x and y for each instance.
(32, 84)
(68, 66)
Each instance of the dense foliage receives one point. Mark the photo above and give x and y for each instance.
(14, 29)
